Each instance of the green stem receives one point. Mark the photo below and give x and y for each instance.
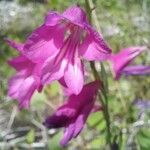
(93, 68)
(104, 104)
(104, 100)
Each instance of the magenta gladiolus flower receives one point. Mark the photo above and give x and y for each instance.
(73, 115)
(27, 79)
(60, 42)
(123, 58)
(136, 70)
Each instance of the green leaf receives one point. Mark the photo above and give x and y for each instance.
(54, 89)
(38, 100)
(30, 137)
(143, 139)
(54, 3)
(54, 142)
(95, 118)
(98, 142)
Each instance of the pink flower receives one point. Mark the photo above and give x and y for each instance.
(123, 58)
(74, 113)
(26, 81)
(60, 42)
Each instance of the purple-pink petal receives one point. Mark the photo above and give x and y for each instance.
(81, 119)
(74, 76)
(68, 134)
(26, 91)
(52, 18)
(75, 15)
(91, 50)
(74, 113)
(53, 70)
(57, 46)
(21, 88)
(123, 58)
(14, 84)
(44, 42)
(27, 79)
(21, 63)
(136, 70)
(18, 46)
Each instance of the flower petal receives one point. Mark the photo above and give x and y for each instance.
(26, 90)
(74, 76)
(43, 43)
(94, 47)
(81, 119)
(21, 63)
(66, 90)
(15, 45)
(74, 113)
(55, 121)
(66, 111)
(68, 134)
(52, 18)
(53, 71)
(22, 88)
(14, 84)
(75, 15)
(123, 58)
(136, 70)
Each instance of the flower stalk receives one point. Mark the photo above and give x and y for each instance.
(103, 93)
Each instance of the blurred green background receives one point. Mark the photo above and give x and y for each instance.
(123, 23)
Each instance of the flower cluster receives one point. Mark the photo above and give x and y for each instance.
(55, 52)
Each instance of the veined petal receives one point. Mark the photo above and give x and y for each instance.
(44, 42)
(21, 63)
(53, 71)
(94, 47)
(26, 91)
(15, 45)
(21, 87)
(14, 84)
(74, 76)
(75, 15)
(98, 38)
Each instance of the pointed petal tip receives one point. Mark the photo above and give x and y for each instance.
(16, 45)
